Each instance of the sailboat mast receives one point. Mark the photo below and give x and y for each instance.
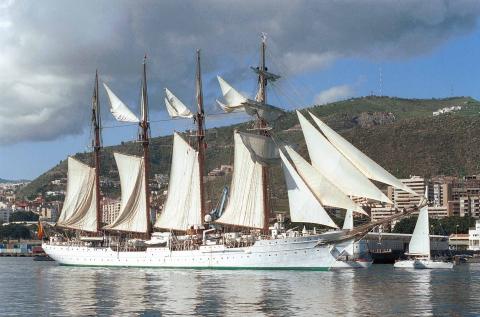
(262, 98)
(199, 118)
(144, 138)
(96, 122)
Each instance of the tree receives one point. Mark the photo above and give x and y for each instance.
(445, 226)
(14, 231)
(23, 216)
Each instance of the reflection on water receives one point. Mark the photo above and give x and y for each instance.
(30, 288)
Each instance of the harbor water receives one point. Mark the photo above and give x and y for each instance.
(29, 288)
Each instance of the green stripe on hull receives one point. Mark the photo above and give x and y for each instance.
(206, 267)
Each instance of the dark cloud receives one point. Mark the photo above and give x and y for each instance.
(50, 50)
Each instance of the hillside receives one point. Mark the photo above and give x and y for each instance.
(400, 134)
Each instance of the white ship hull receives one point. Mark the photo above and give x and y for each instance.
(423, 264)
(288, 253)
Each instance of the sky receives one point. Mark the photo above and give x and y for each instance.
(324, 51)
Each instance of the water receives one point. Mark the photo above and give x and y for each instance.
(29, 288)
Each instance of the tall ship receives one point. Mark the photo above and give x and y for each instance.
(238, 233)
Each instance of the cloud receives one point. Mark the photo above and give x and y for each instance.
(49, 51)
(334, 93)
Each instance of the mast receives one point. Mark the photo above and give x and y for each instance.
(199, 118)
(144, 139)
(96, 122)
(262, 125)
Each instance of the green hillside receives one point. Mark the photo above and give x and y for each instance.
(400, 134)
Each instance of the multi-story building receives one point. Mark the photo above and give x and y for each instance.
(406, 200)
(5, 215)
(469, 206)
(110, 210)
(439, 193)
(438, 212)
(474, 237)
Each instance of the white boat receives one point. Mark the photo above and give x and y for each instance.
(419, 247)
(188, 236)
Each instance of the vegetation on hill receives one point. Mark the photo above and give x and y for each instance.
(400, 134)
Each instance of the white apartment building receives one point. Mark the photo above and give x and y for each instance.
(474, 237)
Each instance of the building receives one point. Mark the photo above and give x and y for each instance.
(110, 210)
(439, 193)
(406, 200)
(469, 206)
(438, 212)
(474, 237)
(5, 215)
(458, 241)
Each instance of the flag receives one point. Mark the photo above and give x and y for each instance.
(40, 230)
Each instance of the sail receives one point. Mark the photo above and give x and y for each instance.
(325, 191)
(175, 107)
(79, 208)
(304, 206)
(183, 206)
(334, 166)
(118, 109)
(235, 101)
(262, 148)
(233, 98)
(348, 222)
(420, 242)
(133, 209)
(228, 109)
(365, 164)
(245, 205)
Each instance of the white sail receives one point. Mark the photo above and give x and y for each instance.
(348, 222)
(80, 206)
(262, 148)
(228, 109)
(304, 206)
(365, 164)
(133, 210)
(325, 191)
(183, 206)
(420, 242)
(233, 98)
(245, 204)
(175, 107)
(118, 109)
(336, 167)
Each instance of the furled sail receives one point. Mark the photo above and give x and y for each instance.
(323, 189)
(118, 109)
(183, 206)
(304, 206)
(245, 204)
(175, 107)
(365, 164)
(235, 101)
(420, 242)
(336, 167)
(79, 208)
(262, 148)
(133, 213)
